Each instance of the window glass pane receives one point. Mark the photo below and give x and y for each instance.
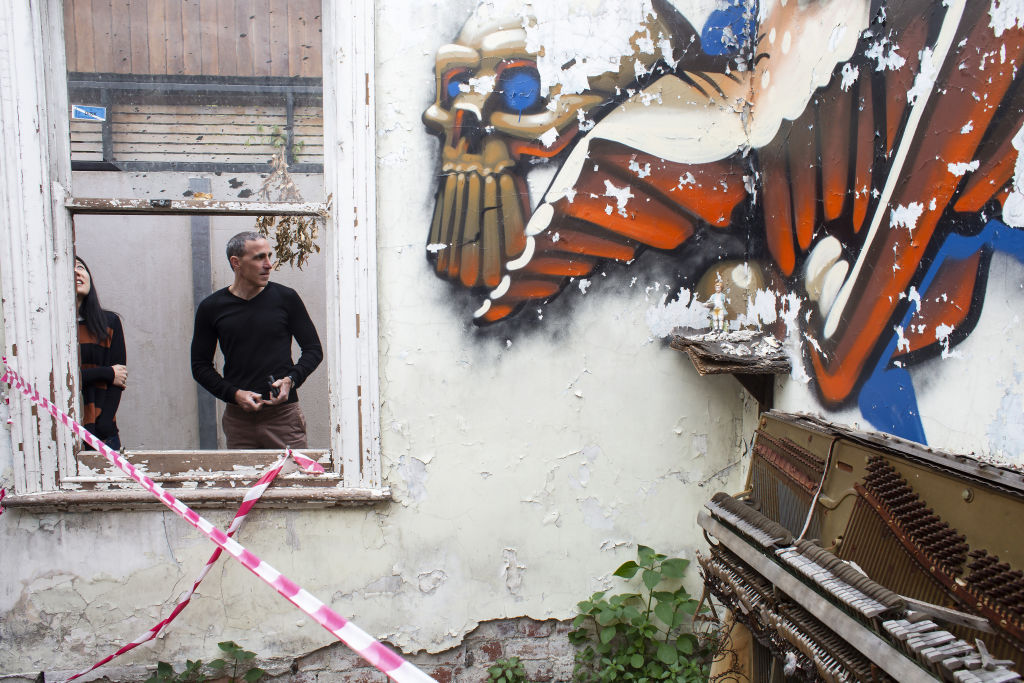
(217, 86)
(153, 271)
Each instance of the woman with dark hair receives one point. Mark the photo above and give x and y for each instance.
(102, 355)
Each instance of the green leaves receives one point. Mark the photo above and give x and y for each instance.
(667, 653)
(627, 570)
(674, 568)
(230, 668)
(642, 636)
(507, 671)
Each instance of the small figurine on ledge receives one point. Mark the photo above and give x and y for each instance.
(717, 302)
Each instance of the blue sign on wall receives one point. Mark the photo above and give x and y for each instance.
(81, 112)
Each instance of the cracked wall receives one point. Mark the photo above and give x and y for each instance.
(528, 457)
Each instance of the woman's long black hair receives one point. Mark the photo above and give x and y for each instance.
(90, 311)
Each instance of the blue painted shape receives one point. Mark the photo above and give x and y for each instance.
(454, 88)
(82, 112)
(729, 29)
(521, 90)
(887, 399)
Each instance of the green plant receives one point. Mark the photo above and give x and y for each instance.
(645, 636)
(236, 658)
(507, 671)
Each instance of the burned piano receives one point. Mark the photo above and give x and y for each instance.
(854, 556)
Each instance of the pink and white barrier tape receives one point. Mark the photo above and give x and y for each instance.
(374, 652)
(250, 499)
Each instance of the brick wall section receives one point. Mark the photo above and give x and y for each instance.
(542, 646)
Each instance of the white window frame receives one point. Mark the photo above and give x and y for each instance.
(36, 285)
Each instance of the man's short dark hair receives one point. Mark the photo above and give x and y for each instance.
(236, 245)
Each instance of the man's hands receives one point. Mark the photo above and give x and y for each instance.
(284, 389)
(250, 401)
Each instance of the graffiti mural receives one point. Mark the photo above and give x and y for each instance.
(854, 159)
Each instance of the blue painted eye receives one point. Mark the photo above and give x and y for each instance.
(520, 89)
(453, 88)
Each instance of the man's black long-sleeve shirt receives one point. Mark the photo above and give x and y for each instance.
(255, 337)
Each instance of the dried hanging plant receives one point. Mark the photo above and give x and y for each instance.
(294, 236)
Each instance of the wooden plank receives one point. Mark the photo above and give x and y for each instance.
(186, 144)
(70, 36)
(185, 119)
(208, 37)
(259, 29)
(244, 19)
(102, 38)
(192, 43)
(121, 36)
(278, 15)
(138, 41)
(210, 109)
(227, 37)
(83, 27)
(312, 51)
(296, 34)
(156, 36)
(193, 129)
(224, 496)
(174, 44)
(106, 205)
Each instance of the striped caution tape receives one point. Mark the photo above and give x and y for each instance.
(374, 652)
(250, 499)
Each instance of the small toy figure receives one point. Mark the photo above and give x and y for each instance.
(716, 302)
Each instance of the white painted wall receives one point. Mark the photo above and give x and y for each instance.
(525, 463)
(526, 460)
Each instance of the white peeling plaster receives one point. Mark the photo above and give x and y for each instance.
(789, 310)
(1006, 14)
(1006, 430)
(967, 127)
(961, 168)
(906, 216)
(483, 85)
(850, 74)
(685, 311)
(1013, 207)
(595, 515)
(942, 333)
(414, 474)
(512, 572)
(762, 309)
(621, 195)
(924, 81)
(549, 137)
(636, 168)
(575, 44)
(885, 55)
(431, 581)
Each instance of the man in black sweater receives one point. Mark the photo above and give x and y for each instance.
(254, 321)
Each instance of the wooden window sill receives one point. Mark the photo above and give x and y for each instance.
(225, 498)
